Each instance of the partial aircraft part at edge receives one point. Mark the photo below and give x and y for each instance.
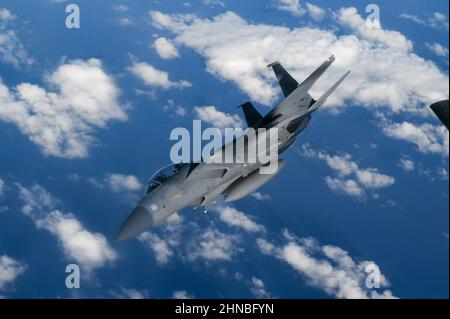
(441, 110)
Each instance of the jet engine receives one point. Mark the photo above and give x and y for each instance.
(246, 185)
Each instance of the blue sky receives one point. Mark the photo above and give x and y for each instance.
(85, 118)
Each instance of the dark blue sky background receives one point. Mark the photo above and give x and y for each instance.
(408, 240)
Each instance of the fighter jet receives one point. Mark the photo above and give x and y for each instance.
(201, 184)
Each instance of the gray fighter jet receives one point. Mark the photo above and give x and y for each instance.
(201, 184)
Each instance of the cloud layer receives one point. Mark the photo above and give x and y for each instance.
(12, 50)
(350, 179)
(10, 269)
(326, 267)
(88, 249)
(62, 122)
(385, 72)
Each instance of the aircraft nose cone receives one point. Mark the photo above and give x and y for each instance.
(139, 220)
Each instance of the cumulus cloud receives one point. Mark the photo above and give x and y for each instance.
(153, 77)
(436, 20)
(392, 39)
(428, 138)
(125, 22)
(292, 6)
(12, 50)
(407, 164)
(10, 269)
(190, 243)
(160, 247)
(171, 107)
(120, 8)
(88, 249)
(210, 114)
(213, 3)
(351, 179)
(235, 218)
(385, 73)
(328, 267)
(258, 288)
(6, 15)
(165, 48)
(2, 186)
(182, 294)
(261, 196)
(116, 182)
(348, 186)
(62, 123)
(213, 245)
(130, 293)
(438, 49)
(316, 12)
(119, 183)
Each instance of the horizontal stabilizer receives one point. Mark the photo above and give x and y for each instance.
(320, 101)
(306, 85)
(252, 116)
(287, 83)
(324, 97)
(302, 90)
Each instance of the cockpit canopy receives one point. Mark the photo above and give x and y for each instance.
(161, 175)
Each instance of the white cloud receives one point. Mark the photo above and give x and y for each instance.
(213, 3)
(260, 196)
(442, 173)
(351, 178)
(89, 250)
(120, 8)
(329, 268)
(6, 15)
(407, 164)
(130, 293)
(153, 77)
(10, 269)
(165, 48)
(384, 72)
(189, 242)
(348, 187)
(436, 20)
(119, 183)
(2, 186)
(316, 12)
(216, 118)
(61, 123)
(124, 21)
(438, 49)
(174, 108)
(160, 248)
(213, 245)
(392, 39)
(292, 6)
(12, 50)
(428, 138)
(182, 294)
(259, 289)
(235, 218)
